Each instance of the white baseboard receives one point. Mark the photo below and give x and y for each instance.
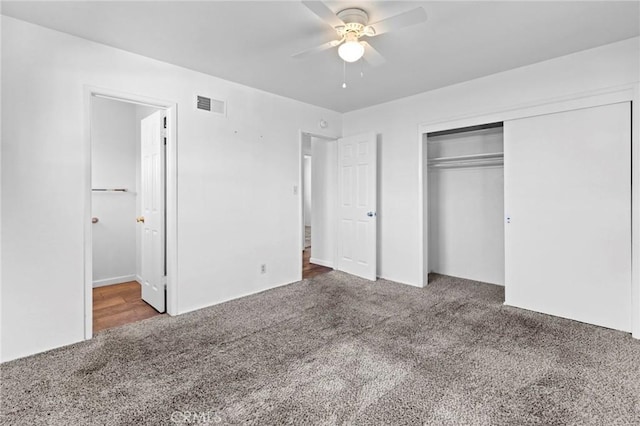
(114, 280)
(139, 279)
(321, 262)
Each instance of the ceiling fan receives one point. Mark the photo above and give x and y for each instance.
(352, 25)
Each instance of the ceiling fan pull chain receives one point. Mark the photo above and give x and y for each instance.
(344, 75)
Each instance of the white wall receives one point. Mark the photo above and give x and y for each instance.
(113, 165)
(306, 191)
(228, 170)
(323, 180)
(397, 124)
(466, 229)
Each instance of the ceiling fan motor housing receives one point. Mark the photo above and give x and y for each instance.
(355, 22)
(356, 16)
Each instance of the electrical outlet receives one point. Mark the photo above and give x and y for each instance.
(263, 268)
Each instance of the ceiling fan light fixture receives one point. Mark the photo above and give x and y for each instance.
(351, 51)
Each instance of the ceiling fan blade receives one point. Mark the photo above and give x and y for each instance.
(325, 46)
(372, 56)
(324, 13)
(405, 19)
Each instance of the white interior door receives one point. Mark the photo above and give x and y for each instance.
(357, 181)
(568, 214)
(153, 211)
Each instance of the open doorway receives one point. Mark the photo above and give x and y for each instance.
(118, 132)
(126, 250)
(309, 268)
(318, 203)
(306, 199)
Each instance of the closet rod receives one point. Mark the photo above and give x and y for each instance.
(461, 164)
(110, 189)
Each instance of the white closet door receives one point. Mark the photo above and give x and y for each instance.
(568, 214)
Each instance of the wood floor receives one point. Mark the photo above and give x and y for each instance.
(310, 270)
(119, 304)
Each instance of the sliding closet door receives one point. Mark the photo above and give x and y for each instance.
(568, 214)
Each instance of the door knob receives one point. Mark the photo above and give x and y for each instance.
(371, 214)
(140, 219)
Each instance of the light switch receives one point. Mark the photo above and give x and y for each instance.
(295, 189)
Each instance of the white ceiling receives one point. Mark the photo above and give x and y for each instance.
(252, 42)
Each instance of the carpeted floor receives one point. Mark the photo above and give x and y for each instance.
(337, 350)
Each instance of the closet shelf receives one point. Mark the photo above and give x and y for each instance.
(482, 156)
(110, 190)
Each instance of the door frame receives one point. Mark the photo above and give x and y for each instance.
(624, 93)
(301, 154)
(170, 201)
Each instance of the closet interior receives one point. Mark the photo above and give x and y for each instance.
(465, 196)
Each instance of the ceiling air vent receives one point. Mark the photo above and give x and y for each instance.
(213, 105)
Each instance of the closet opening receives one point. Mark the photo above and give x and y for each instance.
(465, 203)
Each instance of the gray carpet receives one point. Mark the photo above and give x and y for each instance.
(337, 350)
